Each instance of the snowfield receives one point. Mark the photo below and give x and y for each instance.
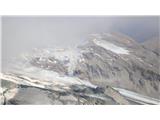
(111, 47)
(46, 77)
(136, 97)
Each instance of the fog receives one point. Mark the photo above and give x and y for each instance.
(22, 34)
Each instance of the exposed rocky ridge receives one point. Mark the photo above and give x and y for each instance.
(15, 92)
(137, 71)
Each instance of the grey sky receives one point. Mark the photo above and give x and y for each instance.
(21, 34)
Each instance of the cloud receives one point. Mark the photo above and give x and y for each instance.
(140, 28)
(21, 34)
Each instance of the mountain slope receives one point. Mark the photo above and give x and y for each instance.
(110, 59)
(153, 45)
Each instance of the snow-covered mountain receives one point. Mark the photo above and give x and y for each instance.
(93, 70)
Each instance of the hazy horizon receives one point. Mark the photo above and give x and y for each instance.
(23, 33)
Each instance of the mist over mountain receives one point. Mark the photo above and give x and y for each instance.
(80, 60)
(111, 68)
(30, 32)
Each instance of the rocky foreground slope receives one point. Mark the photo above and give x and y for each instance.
(87, 74)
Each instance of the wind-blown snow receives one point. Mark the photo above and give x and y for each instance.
(70, 56)
(111, 47)
(45, 75)
(64, 80)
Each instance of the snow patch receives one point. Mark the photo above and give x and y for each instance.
(137, 96)
(45, 75)
(111, 47)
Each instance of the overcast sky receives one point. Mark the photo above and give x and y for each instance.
(20, 34)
